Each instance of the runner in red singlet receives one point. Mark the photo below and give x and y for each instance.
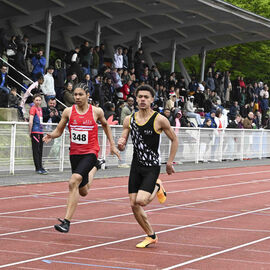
(82, 123)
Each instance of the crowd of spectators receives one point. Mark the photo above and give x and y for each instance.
(112, 86)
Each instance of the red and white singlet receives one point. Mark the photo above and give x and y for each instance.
(83, 131)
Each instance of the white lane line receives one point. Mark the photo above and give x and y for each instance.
(169, 181)
(56, 192)
(108, 261)
(217, 253)
(150, 210)
(18, 252)
(59, 206)
(244, 261)
(123, 198)
(139, 236)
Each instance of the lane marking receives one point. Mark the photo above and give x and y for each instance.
(169, 181)
(218, 253)
(150, 210)
(123, 198)
(85, 264)
(143, 235)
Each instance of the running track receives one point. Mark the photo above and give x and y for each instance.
(214, 220)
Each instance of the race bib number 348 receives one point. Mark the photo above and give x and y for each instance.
(79, 137)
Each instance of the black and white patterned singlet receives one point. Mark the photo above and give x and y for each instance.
(146, 142)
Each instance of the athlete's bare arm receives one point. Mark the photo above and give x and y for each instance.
(124, 137)
(60, 127)
(106, 127)
(162, 124)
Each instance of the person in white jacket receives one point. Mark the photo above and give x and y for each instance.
(48, 85)
(118, 58)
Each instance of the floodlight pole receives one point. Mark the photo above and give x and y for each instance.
(139, 40)
(203, 57)
(48, 37)
(98, 33)
(173, 55)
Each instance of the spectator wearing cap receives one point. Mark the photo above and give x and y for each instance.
(190, 111)
(171, 101)
(118, 58)
(48, 85)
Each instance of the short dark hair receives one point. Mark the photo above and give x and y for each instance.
(145, 87)
(37, 95)
(82, 86)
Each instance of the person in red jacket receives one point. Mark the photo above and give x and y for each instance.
(125, 89)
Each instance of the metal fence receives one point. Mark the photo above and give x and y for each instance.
(195, 145)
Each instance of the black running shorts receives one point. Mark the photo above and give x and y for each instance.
(142, 178)
(82, 165)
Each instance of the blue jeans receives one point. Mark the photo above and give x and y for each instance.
(4, 89)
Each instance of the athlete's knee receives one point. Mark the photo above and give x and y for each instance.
(142, 201)
(74, 182)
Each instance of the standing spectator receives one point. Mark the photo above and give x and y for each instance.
(60, 76)
(85, 56)
(101, 54)
(248, 121)
(48, 85)
(118, 58)
(125, 58)
(36, 133)
(32, 90)
(3, 80)
(139, 62)
(38, 62)
(20, 65)
(95, 64)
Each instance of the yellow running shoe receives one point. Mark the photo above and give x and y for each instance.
(161, 194)
(146, 242)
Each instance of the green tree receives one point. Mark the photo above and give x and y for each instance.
(250, 60)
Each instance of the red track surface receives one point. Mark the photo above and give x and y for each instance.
(214, 220)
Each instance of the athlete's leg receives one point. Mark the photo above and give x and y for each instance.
(84, 190)
(139, 213)
(73, 196)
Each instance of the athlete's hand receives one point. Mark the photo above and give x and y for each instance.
(47, 138)
(169, 168)
(114, 151)
(121, 144)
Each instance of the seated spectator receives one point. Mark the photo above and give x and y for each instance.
(14, 102)
(109, 113)
(211, 115)
(236, 123)
(191, 111)
(248, 121)
(68, 97)
(73, 78)
(89, 83)
(125, 90)
(234, 110)
(171, 102)
(50, 113)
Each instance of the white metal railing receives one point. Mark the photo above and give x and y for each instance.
(195, 145)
